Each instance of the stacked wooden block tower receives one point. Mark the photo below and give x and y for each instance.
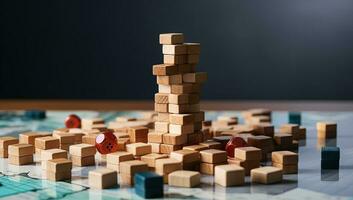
(179, 120)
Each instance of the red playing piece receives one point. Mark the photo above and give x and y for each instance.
(106, 142)
(233, 143)
(73, 121)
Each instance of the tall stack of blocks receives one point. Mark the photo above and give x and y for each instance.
(330, 158)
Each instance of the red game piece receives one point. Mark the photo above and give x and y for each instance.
(233, 143)
(73, 121)
(106, 142)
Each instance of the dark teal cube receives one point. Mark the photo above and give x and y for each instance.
(330, 164)
(148, 185)
(295, 118)
(330, 153)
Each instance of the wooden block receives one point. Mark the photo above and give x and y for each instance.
(161, 98)
(198, 77)
(156, 147)
(113, 166)
(248, 153)
(163, 117)
(165, 70)
(21, 149)
(185, 88)
(59, 165)
(212, 145)
(193, 58)
(325, 135)
(175, 59)
(119, 156)
(181, 119)
(229, 175)
(197, 126)
(181, 129)
(262, 142)
(151, 158)
(292, 129)
(60, 176)
(184, 178)
(29, 137)
(20, 160)
(302, 133)
(174, 139)
(48, 142)
(120, 135)
(158, 107)
(89, 139)
(208, 168)
(125, 119)
(5, 142)
(195, 138)
(171, 38)
(133, 166)
(155, 137)
(199, 116)
(65, 138)
(264, 129)
(138, 134)
(194, 108)
(185, 156)
(213, 156)
(193, 48)
(165, 89)
(92, 121)
(175, 108)
(139, 149)
(177, 49)
(248, 165)
(168, 148)
(170, 80)
(285, 157)
(283, 139)
(186, 68)
(195, 147)
(83, 161)
(326, 126)
(266, 175)
(162, 127)
(287, 169)
(122, 142)
(165, 166)
(82, 150)
(51, 154)
(178, 98)
(102, 178)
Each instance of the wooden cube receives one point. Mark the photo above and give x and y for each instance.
(174, 139)
(119, 156)
(208, 168)
(266, 175)
(198, 77)
(326, 126)
(248, 153)
(165, 166)
(164, 69)
(151, 158)
(292, 129)
(283, 139)
(131, 167)
(168, 148)
(264, 129)
(156, 147)
(262, 142)
(47, 142)
(212, 144)
(186, 156)
(20, 160)
(163, 117)
(192, 58)
(89, 139)
(248, 165)
(178, 99)
(213, 156)
(229, 175)
(161, 98)
(181, 129)
(29, 137)
(162, 127)
(159, 107)
(285, 157)
(287, 169)
(186, 68)
(178, 108)
(193, 48)
(155, 137)
(51, 154)
(181, 119)
(302, 133)
(185, 88)
(58, 176)
(184, 178)
(4, 143)
(195, 147)
(138, 134)
(170, 80)
(171, 38)
(178, 49)
(65, 138)
(59, 165)
(82, 150)
(139, 149)
(83, 161)
(174, 59)
(21, 149)
(102, 178)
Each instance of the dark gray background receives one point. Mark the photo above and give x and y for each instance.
(252, 49)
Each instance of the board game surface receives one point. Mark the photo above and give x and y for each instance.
(19, 182)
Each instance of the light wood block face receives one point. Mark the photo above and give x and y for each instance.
(178, 98)
(170, 80)
(185, 156)
(139, 149)
(119, 156)
(83, 161)
(266, 175)
(48, 142)
(212, 145)
(65, 138)
(208, 168)
(195, 147)
(229, 175)
(102, 178)
(181, 129)
(158, 107)
(162, 127)
(151, 158)
(175, 59)
(248, 153)
(181, 119)
(178, 49)
(168, 148)
(155, 137)
(174, 139)
(285, 157)
(53, 154)
(292, 129)
(161, 98)
(4, 143)
(29, 137)
(171, 38)
(156, 147)
(287, 169)
(198, 77)
(59, 165)
(326, 126)
(183, 178)
(163, 117)
(133, 166)
(138, 134)
(20, 160)
(165, 69)
(82, 150)
(213, 156)
(193, 48)
(21, 149)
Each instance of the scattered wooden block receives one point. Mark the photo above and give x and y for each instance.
(283, 139)
(59, 165)
(138, 134)
(208, 168)
(162, 127)
(248, 165)
(131, 167)
(213, 156)
(212, 145)
(248, 153)
(287, 169)
(183, 178)
(165, 69)
(198, 77)
(170, 80)
(195, 147)
(21, 149)
(61, 176)
(264, 129)
(266, 175)
(178, 49)
(302, 133)
(48, 142)
(89, 139)
(181, 119)
(181, 129)
(29, 137)
(119, 156)
(285, 157)
(229, 175)
(326, 129)
(82, 150)
(139, 149)
(262, 142)
(171, 38)
(51, 154)
(292, 129)
(195, 138)
(20, 160)
(4, 143)
(193, 48)
(155, 137)
(158, 107)
(166, 166)
(83, 161)
(65, 138)
(102, 178)
(174, 139)
(168, 148)
(151, 158)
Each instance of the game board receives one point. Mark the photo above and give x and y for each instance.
(25, 181)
